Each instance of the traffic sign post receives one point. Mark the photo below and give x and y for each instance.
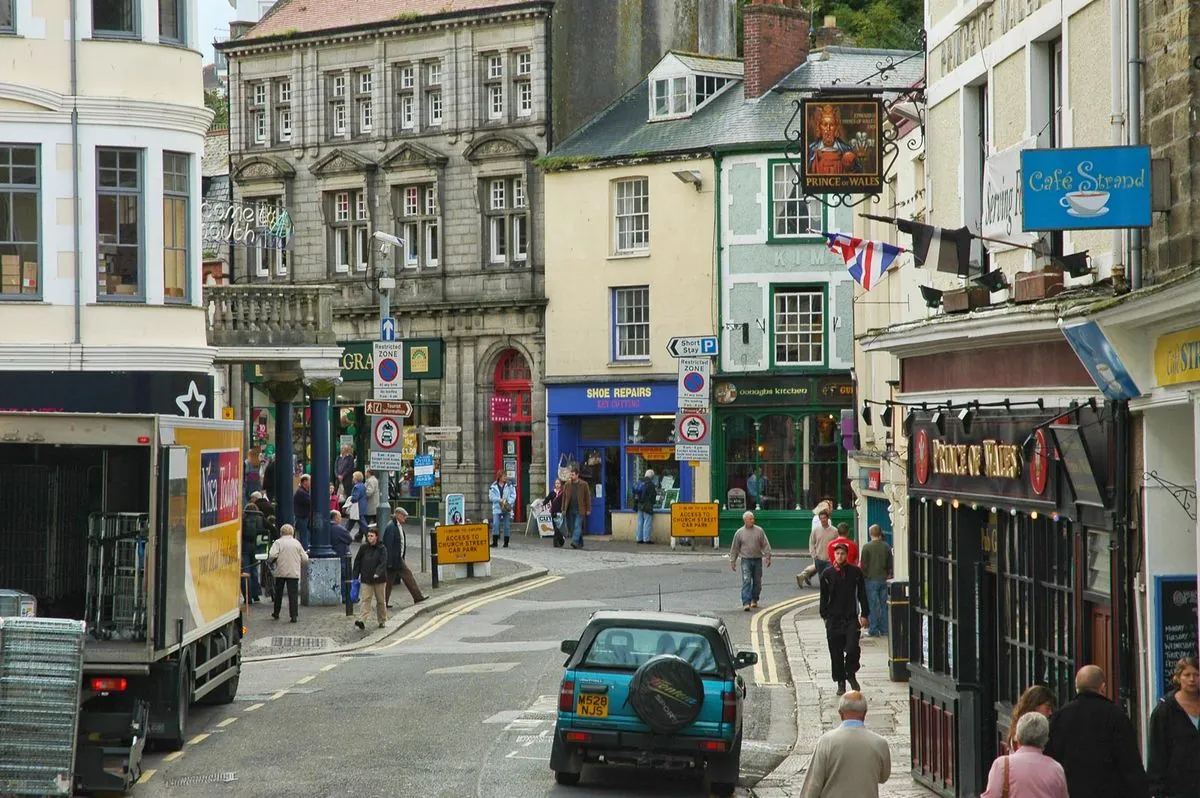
(423, 471)
(442, 433)
(387, 329)
(388, 407)
(694, 382)
(692, 435)
(387, 434)
(693, 346)
(389, 375)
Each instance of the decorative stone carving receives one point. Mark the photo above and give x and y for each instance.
(498, 146)
(262, 168)
(283, 391)
(341, 162)
(412, 154)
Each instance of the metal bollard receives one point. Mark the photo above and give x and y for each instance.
(433, 555)
(346, 586)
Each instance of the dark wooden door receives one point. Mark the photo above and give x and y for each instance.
(1101, 642)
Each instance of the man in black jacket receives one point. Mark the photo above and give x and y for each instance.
(370, 568)
(842, 587)
(394, 540)
(1095, 743)
(303, 507)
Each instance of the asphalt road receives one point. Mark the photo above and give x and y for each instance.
(462, 703)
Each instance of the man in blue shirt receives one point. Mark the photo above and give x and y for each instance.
(340, 540)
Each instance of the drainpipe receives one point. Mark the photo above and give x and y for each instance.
(1116, 116)
(1133, 28)
(75, 149)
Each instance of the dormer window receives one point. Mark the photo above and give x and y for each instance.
(707, 87)
(670, 97)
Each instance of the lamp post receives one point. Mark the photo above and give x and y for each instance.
(386, 283)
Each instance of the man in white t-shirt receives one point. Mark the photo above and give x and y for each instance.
(822, 534)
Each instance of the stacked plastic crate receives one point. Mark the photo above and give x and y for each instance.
(41, 671)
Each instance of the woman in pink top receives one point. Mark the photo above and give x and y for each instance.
(1027, 772)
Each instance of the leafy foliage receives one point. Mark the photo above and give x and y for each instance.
(891, 24)
(220, 107)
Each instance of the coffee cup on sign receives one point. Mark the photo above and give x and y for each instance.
(1085, 203)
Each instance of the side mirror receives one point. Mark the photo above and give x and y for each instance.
(568, 647)
(745, 659)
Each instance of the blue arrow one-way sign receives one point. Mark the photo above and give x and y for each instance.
(387, 329)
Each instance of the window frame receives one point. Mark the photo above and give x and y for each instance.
(433, 101)
(11, 188)
(495, 96)
(181, 11)
(352, 231)
(263, 258)
(175, 196)
(434, 72)
(118, 191)
(499, 197)
(11, 26)
(615, 294)
(617, 216)
(820, 289)
(135, 32)
(495, 102)
(339, 124)
(418, 220)
(523, 92)
(672, 94)
(774, 237)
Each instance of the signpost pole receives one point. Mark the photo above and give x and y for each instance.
(384, 514)
(433, 552)
(421, 450)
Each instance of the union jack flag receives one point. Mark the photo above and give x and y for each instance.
(867, 261)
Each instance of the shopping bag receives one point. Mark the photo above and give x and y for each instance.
(355, 586)
(564, 467)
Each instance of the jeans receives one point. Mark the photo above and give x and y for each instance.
(752, 570)
(575, 525)
(844, 652)
(304, 533)
(645, 521)
(251, 568)
(293, 588)
(877, 598)
(501, 523)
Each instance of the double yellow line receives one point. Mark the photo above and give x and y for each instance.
(442, 618)
(766, 672)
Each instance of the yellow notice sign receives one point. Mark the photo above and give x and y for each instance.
(694, 519)
(1177, 357)
(463, 543)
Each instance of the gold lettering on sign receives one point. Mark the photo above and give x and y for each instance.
(989, 459)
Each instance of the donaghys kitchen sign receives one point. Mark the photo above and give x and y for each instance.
(422, 361)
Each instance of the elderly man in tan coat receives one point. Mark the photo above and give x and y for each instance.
(288, 557)
(850, 761)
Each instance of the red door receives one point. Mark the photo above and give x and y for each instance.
(512, 427)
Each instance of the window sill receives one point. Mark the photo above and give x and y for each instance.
(115, 36)
(130, 299)
(804, 238)
(643, 253)
(618, 364)
(21, 297)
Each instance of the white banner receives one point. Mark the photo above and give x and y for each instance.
(1002, 199)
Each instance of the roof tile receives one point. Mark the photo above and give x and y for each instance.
(314, 16)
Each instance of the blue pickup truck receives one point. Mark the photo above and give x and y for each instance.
(654, 690)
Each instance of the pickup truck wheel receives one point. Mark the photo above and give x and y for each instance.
(566, 778)
(666, 693)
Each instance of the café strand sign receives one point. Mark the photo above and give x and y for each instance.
(990, 463)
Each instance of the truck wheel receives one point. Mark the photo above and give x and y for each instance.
(183, 701)
(565, 778)
(666, 693)
(227, 692)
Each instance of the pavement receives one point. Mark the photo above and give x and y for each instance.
(817, 699)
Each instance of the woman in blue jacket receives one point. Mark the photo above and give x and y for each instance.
(356, 507)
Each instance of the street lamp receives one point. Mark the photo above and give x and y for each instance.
(386, 283)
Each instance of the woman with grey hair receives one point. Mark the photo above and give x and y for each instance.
(1027, 772)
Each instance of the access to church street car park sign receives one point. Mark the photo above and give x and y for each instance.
(694, 519)
(463, 543)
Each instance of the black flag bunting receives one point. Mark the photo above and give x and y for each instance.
(937, 248)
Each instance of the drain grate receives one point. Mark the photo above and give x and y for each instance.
(299, 642)
(210, 778)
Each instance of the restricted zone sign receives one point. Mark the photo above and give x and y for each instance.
(694, 519)
(462, 544)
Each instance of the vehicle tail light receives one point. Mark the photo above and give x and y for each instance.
(714, 746)
(728, 707)
(566, 696)
(115, 684)
(578, 737)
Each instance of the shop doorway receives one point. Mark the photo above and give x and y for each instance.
(600, 467)
(1100, 645)
(512, 423)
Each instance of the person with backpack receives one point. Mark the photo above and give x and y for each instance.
(645, 493)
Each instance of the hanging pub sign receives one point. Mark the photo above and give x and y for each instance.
(842, 145)
(996, 459)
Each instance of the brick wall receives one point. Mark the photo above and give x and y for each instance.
(1170, 85)
(776, 41)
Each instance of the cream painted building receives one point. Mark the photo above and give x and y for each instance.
(104, 123)
(629, 254)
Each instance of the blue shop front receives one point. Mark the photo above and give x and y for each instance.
(614, 433)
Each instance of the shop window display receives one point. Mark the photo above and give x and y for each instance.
(784, 461)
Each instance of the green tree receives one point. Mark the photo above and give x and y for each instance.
(220, 106)
(890, 24)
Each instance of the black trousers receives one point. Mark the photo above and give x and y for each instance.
(293, 594)
(844, 651)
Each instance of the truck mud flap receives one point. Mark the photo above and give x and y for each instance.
(108, 755)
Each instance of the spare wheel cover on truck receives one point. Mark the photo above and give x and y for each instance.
(666, 693)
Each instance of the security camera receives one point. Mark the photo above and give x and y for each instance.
(387, 238)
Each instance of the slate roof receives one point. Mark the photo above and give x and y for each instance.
(729, 121)
(215, 160)
(313, 16)
(709, 63)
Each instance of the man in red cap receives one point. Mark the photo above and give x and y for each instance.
(843, 591)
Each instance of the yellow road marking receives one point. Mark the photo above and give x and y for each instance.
(441, 619)
(329, 667)
(146, 776)
(253, 707)
(306, 679)
(278, 695)
(227, 722)
(767, 669)
(199, 738)
(171, 757)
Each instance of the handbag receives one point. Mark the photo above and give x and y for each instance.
(564, 467)
(356, 586)
(351, 508)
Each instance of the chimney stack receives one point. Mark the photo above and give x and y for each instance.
(239, 29)
(828, 34)
(775, 42)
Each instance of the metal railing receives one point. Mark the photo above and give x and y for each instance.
(286, 315)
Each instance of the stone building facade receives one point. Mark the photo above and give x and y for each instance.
(425, 127)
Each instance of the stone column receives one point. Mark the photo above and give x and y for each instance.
(321, 392)
(283, 394)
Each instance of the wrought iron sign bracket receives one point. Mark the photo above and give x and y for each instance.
(1183, 494)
